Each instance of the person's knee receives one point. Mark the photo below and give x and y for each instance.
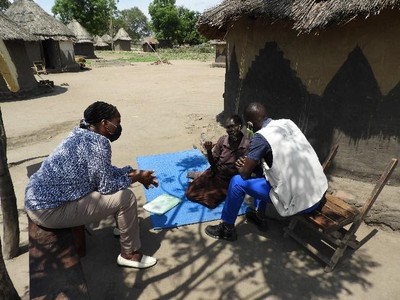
(237, 182)
(127, 197)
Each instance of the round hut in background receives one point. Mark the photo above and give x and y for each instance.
(107, 39)
(122, 41)
(54, 47)
(150, 44)
(83, 45)
(99, 44)
(17, 78)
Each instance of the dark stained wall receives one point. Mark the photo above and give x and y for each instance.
(26, 79)
(341, 86)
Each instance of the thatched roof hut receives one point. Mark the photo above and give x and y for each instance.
(150, 44)
(37, 21)
(122, 41)
(304, 15)
(15, 67)
(330, 66)
(107, 38)
(56, 47)
(83, 44)
(99, 44)
(11, 31)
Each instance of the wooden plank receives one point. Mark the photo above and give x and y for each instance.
(341, 203)
(333, 214)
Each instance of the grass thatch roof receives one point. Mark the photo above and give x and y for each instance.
(106, 38)
(11, 31)
(122, 35)
(33, 18)
(305, 15)
(150, 40)
(82, 35)
(98, 42)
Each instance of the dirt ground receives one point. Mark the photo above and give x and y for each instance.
(165, 108)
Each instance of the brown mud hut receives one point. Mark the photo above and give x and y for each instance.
(99, 44)
(83, 44)
(220, 53)
(122, 41)
(330, 66)
(55, 46)
(150, 44)
(16, 77)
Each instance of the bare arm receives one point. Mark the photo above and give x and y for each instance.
(246, 166)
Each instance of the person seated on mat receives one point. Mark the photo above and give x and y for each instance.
(294, 179)
(77, 184)
(209, 187)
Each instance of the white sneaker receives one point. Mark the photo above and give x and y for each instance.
(116, 231)
(145, 262)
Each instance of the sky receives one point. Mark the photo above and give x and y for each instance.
(195, 5)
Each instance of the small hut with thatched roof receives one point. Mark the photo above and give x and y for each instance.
(55, 47)
(15, 67)
(330, 66)
(150, 44)
(83, 45)
(122, 41)
(99, 44)
(107, 39)
(220, 53)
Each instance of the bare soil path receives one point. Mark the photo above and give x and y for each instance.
(164, 109)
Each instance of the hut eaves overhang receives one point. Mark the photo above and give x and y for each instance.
(306, 16)
(30, 16)
(9, 30)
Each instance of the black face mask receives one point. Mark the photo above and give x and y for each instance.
(117, 133)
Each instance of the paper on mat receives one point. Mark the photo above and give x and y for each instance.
(161, 204)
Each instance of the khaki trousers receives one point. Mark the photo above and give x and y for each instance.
(92, 208)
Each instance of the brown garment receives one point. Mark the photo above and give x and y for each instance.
(209, 189)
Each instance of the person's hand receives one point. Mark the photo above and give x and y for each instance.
(240, 162)
(145, 177)
(208, 145)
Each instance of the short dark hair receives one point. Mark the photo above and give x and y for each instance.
(96, 112)
(236, 119)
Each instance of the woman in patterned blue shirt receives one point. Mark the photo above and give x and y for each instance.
(77, 184)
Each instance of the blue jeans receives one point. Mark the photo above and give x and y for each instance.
(258, 188)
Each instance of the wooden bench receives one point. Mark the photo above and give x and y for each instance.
(329, 220)
(55, 271)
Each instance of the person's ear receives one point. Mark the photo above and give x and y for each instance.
(103, 122)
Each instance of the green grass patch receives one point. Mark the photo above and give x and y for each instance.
(203, 52)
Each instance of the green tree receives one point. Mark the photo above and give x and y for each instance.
(133, 21)
(165, 20)
(94, 15)
(188, 33)
(4, 4)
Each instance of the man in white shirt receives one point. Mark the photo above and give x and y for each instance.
(292, 176)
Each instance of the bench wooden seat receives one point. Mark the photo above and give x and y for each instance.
(331, 220)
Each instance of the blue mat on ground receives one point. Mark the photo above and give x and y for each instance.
(171, 170)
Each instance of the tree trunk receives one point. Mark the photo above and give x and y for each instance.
(7, 289)
(8, 201)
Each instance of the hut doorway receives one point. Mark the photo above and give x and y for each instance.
(51, 53)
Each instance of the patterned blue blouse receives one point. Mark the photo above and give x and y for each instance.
(81, 164)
